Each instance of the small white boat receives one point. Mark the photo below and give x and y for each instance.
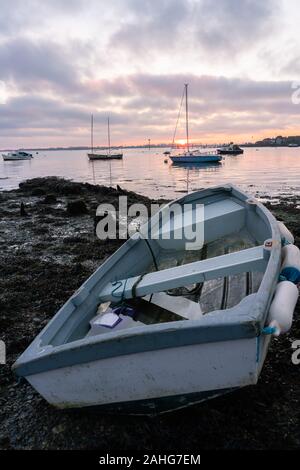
(102, 156)
(194, 156)
(17, 155)
(159, 326)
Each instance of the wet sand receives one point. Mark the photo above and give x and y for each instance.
(45, 256)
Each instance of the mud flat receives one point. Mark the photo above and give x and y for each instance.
(45, 255)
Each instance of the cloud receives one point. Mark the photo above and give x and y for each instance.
(31, 13)
(144, 90)
(223, 29)
(36, 111)
(61, 60)
(151, 26)
(233, 25)
(148, 106)
(31, 65)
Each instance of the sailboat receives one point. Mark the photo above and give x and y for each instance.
(193, 156)
(102, 156)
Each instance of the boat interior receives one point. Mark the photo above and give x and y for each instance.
(150, 281)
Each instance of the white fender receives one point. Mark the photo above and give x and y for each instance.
(285, 233)
(291, 257)
(283, 306)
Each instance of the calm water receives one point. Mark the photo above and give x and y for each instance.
(264, 171)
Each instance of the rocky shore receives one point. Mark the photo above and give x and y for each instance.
(48, 249)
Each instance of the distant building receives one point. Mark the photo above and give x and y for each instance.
(279, 140)
(293, 139)
(265, 142)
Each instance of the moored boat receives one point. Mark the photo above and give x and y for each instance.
(194, 156)
(161, 324)
(17, 155)
(92, 155)
(105, 156)
(231, 149)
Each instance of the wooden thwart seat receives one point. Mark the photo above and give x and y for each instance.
(138, 286)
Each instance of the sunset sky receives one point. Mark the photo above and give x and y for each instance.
(61, 60)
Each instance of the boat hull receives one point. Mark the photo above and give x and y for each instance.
(200, 371)
(220, 349)
(14, 159)
(8, 158)
(230, 152)
(98, 156)
(196, 159)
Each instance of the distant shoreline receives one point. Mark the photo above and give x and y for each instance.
(152, 146)
(48, 149)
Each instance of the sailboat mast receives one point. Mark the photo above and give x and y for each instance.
(92, 134)
(187, 116)
(108, 135)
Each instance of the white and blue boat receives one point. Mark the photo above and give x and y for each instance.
(193, 156)
(196, 156)
(159, 326)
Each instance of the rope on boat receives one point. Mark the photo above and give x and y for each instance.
(133, 290)
(249, 286)
(151, 251)
(290, 274)
(196, 290)
(268, 330)
(118, 284)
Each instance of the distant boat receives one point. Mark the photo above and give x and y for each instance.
(102, 156)
(197, 165)
(231, 149)
(293, 145)
(17, 155)
(194, 156)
